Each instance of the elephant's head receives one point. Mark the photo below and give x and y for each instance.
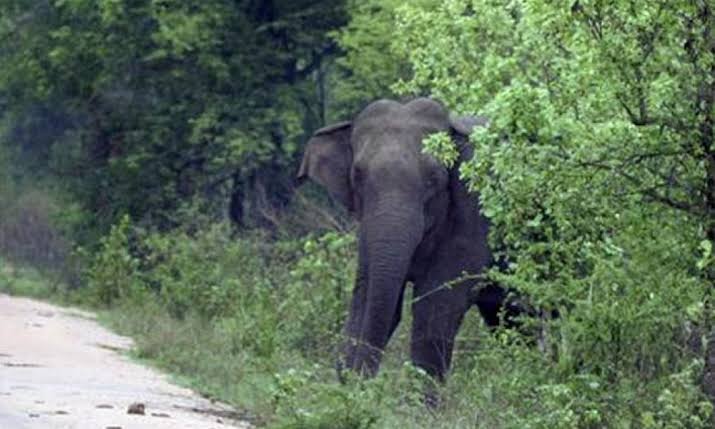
(375, 166)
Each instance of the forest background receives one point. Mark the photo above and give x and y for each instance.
(147, 156)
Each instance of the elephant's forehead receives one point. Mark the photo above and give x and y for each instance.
(387, 125)
(420, 111)
(400, 131)
(422, 107)
(397, 148)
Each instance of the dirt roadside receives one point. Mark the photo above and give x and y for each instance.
(60, 369)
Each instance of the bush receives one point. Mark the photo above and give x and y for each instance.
(274, 306)
(318, 291)
(208, 273)
(31, 233)
(113, 273)
(256, 322)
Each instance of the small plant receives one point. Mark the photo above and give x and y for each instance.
(113, 272)
(306, 399)
(318, 292)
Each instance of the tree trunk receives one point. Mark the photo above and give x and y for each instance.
(235, 207)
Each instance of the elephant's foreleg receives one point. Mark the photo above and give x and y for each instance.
(379, 322)
(437, 316)
(358, 353)
(353, 324)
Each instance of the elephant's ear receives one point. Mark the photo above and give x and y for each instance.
(465, 205)
(327, 160)
(464, 125)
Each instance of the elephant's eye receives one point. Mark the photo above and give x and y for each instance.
(433, 180)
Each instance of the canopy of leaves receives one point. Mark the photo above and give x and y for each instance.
(597, 169)
(154, 107)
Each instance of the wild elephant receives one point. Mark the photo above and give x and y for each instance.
(418, 224)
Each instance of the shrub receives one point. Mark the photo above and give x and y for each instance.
(318, 291)
(207, 273)
(113, 273)
(31, 233)
(257, 321)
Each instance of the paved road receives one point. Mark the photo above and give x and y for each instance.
(60, 369)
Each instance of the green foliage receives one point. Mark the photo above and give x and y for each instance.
(441, 146)
(256, 323)
(679, 404)
(271, 306)
(203, 107)
(329, 405)
(113, 272)
(370, 65)
(24, 281)
(201, 274)
(594, 173)
(373, 60)
(329, 265)
(36, 223)
(597, 173)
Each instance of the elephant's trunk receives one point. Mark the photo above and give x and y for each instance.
(389, 235)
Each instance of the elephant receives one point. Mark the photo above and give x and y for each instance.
(418, 223)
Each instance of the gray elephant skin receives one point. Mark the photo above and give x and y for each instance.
(418, 224)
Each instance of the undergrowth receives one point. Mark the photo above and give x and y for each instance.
(255, 322)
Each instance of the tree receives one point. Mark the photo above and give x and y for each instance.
(371, 62)
(598, 167)
(164, 109)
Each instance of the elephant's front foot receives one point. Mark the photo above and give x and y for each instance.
(359, 358)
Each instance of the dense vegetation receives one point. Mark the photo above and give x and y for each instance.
(147, 149)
